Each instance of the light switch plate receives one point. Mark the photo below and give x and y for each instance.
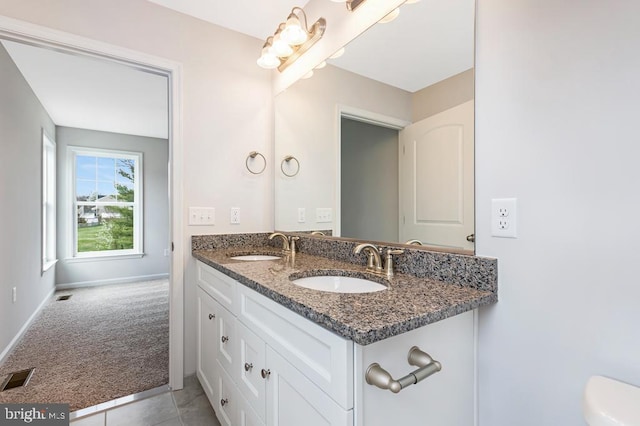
(324, 215)
(199, 216)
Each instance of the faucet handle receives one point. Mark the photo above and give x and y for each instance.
(292, 243)
(389, 261)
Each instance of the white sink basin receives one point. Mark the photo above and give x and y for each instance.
(339, 284)
(254, 257)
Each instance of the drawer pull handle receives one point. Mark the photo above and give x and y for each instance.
(224, 339)
(265, 373)
(378, 376)
(247, 366)
(211, 316)
(224, 402)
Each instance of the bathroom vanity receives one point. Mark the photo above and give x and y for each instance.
(274, 353)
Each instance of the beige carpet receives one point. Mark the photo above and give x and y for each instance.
(103, 343)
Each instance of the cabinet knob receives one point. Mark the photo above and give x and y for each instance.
(224, 339)
(211, 316)
(265, 373)
(224, 402)
(247, 366)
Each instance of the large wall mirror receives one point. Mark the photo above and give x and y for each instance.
(378, 144)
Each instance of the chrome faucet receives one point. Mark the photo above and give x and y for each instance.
(285, 240)
(374, 259)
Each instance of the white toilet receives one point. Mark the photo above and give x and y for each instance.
(608, 402)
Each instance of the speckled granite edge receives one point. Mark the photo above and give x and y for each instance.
(476, 272)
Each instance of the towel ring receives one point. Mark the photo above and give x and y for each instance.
(252, 155)
(287, 159)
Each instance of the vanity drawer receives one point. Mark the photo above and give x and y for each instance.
(218, 285)
(324, 357)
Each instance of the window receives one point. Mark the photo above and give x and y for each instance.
(107, 202)
(48, 202)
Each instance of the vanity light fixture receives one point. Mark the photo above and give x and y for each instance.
(290, 40)
(351, 4)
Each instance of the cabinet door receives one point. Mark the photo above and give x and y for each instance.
(207, 338)
(227, 342)
(446, 398)
(227, 402)
(246, 415)
(293, 400)
(252, 358)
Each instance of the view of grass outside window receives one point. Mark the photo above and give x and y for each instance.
(106, 202)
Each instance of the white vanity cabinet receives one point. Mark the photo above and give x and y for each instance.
(276, 368)
(252, 353)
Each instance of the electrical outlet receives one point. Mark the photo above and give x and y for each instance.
(235, 215)
(302, 215)
(14, 295)
(503, 217)
(166, 252)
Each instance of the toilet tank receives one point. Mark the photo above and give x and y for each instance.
(608, 402)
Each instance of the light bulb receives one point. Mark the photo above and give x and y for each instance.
(391, 16)
(411, 1)
(293, 32)
(268, 59)
(321, 65)
(308, 75)
(281, 48)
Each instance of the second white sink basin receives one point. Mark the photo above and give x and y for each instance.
(254, 257)
(339, 284)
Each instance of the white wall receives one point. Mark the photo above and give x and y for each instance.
(226, 108)
(22, 119)
(557, 89)
(155, 160)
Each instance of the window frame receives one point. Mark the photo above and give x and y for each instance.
(138, 210)
(49, 202)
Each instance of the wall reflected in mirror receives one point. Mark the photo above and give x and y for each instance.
(384, 134)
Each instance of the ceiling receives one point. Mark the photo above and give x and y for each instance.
(429, 41)
(257, 18)
(89, 93)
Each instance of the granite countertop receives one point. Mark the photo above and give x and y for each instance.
(365, 318)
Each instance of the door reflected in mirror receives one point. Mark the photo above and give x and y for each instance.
(384, 134)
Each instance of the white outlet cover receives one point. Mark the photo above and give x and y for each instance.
(235, 215)
(504, 217)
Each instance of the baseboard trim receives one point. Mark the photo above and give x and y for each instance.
(125, 280)
(25, 326)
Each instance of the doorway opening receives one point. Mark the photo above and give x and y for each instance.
(42, 37)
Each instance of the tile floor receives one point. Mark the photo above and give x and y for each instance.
(186, 407)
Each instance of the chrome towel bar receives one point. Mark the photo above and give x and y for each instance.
(378, 376)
